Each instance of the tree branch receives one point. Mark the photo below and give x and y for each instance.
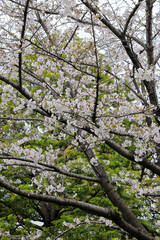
(49, 167)
(112, 194)
(32, 74)
(44, 28)
(121, 36)
(21, 42)
(102, 18)
(21, 119)
(137, 94)
(59, 57)
(137, 40)
(22, 90)
(99, 211)
(149, 41)
(25, 93)
(35, 8)
(157, 58)
(98, 74)
(131, 15)
(130, 155)
(74, 32)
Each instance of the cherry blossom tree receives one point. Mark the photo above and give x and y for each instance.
(80, 116)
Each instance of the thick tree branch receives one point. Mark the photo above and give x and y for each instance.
(24, 92)
(130, 155)
(122, 151)
(112, 194)
(137, 40)
(132, 55)
(102, 18)
(150, 52)
(99, 211)
(149, 37)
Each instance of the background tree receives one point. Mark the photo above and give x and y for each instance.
(80, 144)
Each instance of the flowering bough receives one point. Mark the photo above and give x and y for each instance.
(80, 118)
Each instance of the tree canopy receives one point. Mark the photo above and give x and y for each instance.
(80, 119)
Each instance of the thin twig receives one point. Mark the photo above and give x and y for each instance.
(50, 167)
(131, 15)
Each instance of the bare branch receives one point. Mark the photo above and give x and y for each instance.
(29, 72)
(122, 151)
(138, 95)
(77, 225)
(120, 133)
(85, 22)
(124, 115)
(24, 92)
